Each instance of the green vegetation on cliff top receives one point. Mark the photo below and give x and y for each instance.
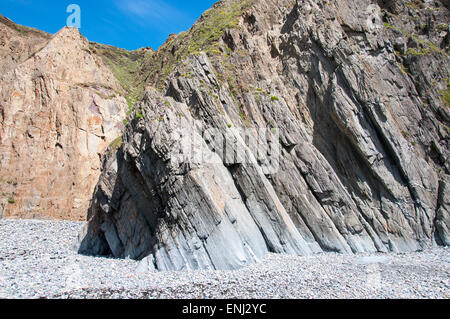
(136, 69)
(125, 65)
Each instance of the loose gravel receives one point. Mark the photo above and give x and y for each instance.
(38, 259)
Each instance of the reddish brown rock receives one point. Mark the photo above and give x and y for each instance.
(60, 108)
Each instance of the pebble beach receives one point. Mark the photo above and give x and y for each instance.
(39, 259)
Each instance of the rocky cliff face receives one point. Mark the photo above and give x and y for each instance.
(270, 126)
(60, 107)
(347, 102)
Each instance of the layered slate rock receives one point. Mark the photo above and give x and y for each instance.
(358, 98)
(154, 198)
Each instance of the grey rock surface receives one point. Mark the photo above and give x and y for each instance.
(442, 216)
(2, 208)
(361, 143)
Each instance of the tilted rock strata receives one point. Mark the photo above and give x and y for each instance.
(349, 179)
(360, 104)
(59, 110)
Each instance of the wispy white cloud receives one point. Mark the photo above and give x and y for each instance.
(154, 12)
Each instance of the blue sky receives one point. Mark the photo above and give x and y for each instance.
(129, 24)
